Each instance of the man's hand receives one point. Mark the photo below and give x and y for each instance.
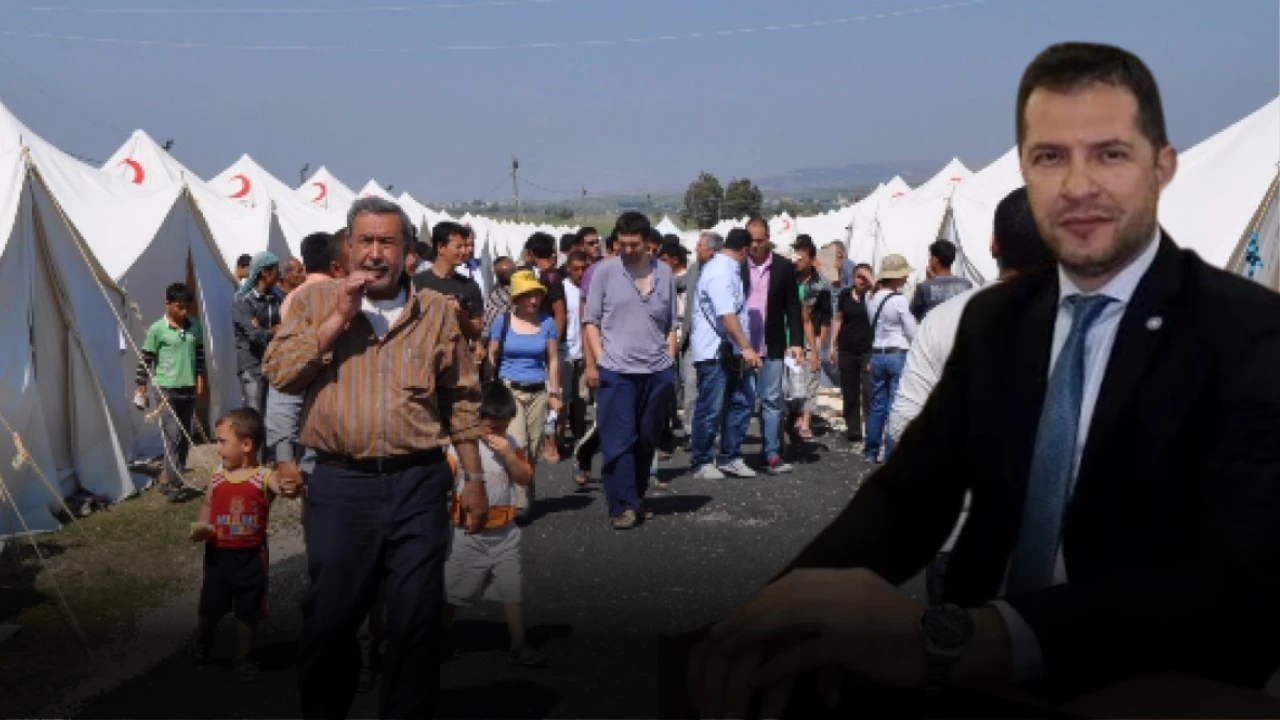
(815, 361)
(497, 443)
(752, 358)
(592, 376)
(475, 506)
(853, 619)
(200, 387)
(350, 295)
(290, 478)
(555, 402)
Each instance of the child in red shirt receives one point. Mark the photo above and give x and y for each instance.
(233, 526)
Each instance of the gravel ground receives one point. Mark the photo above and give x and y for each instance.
(595, 599)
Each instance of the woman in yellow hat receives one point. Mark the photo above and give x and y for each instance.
(526, 350)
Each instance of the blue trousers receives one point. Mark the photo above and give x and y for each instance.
(723, 406)
(886, 370)
(632, 410)
(769, 389)
(362, 530)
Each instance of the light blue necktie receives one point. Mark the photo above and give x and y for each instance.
(1053, 461)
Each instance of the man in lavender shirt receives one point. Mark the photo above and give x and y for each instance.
(631, 331)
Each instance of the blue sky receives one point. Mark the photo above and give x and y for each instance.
(912, 89)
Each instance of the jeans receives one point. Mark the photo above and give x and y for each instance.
(886, 370)
(769, 389)
(366, 531)
(689, 386)
(253, 390)
(632, 411)
(175, 431)
(724, 406)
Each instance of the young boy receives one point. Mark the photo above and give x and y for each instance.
(488, 562)
(174, 351)
(233, 525)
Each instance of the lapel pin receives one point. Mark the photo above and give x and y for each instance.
(1155, 322)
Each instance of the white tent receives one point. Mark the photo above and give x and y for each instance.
(326, 191)
(60, 334)
(184, 249)
(973, 209)
(373, 187)
(248, 184)
(909, 225)
(1223, 189)
(667, 227)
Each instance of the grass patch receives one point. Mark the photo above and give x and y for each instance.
(127, 560)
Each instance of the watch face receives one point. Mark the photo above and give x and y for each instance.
(947, 627)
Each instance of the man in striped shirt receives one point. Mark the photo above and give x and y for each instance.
(173, 352)
(389, 383)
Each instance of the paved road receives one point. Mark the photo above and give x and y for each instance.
(595, 601)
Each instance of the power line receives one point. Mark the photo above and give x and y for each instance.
(46, 88)
(292, 11)
(711, 34)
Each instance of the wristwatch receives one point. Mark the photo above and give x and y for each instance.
(475, 477)
(946, 630)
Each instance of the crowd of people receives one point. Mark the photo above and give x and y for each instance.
(1120, 501)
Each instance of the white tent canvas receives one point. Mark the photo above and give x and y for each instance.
(1220, 184)
(60, 333)
(248, 184)
(973, 209)
(326, 191)
(910, 224)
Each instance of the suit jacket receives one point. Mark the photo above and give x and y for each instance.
(1172, 538)
(782, 310)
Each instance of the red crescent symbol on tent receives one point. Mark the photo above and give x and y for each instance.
(244, 186)
(899, 194)
(323, 192)
(786, 225)
(138, 173)
(957, 178)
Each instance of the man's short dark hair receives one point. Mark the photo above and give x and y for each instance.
(859, 266)
(586, 230)
(675, 250)
(611, 240)
(244, 261)
(1018, 242)
(446, 229)
(655, 237)
(424, 251)
(497, 402)
(804, 244)
(1071, 66)
(317, 252)
(245, 422)
(178, 292)
(568, 240)
(757, 220)
(944, 251)
(578, 256)
(541, 245)
(632, 223)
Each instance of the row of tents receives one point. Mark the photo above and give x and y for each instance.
(87, 252)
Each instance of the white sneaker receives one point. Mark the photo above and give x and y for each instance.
(737, 467)
(708, 472)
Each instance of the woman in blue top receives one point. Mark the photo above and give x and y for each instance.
(529, 364)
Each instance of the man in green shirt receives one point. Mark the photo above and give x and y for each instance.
(173, 360)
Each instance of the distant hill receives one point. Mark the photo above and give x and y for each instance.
(851, 175)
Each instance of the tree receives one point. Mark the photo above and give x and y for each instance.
(559, 212)
(742, 199)
(702, 201)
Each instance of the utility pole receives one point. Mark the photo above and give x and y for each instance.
(582, 206)
(302, 174)
(515, 184)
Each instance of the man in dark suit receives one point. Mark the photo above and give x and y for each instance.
(775, 328)
(1115, 419)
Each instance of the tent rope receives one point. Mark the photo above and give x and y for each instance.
(123, 327)
(44, 562)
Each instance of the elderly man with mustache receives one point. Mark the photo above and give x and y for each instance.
(389, 381)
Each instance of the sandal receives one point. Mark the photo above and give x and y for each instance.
(625, 521)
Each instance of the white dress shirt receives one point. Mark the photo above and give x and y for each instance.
(925, 361)
(571, 345)
(1027, 659)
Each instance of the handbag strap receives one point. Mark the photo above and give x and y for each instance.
(878, 311)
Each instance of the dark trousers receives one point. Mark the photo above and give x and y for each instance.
(632, 411)
(175, 429)
(855, 392)
(364, 529)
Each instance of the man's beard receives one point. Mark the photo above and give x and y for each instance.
(1131, 238)
(388, 286)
